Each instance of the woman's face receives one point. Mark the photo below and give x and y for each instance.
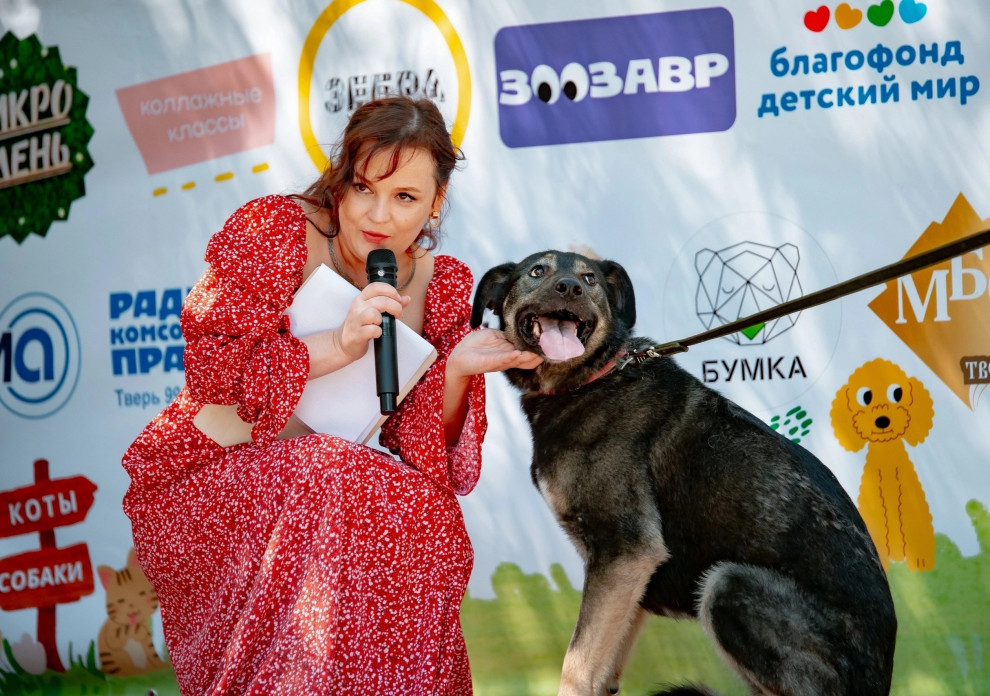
(389, 213)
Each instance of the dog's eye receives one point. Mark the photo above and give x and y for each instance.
(591, 279)
(894, 393)
(864, 396)
(537, 271)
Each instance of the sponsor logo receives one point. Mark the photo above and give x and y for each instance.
(39, 355)
(794, 425)
(146, 339)
(744, 279)
(855, 70)
(640, 76)
(43, 137)
(202, 114)
(337, 76)
(941, 312)
(723, 279)
(879, 15)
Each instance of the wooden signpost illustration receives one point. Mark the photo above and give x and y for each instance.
(49, 576)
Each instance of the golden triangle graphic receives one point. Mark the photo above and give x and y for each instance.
(942, 312)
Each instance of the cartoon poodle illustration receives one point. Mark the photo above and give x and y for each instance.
(881, 407)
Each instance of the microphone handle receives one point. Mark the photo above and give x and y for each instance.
(381, 267)
(386, 376)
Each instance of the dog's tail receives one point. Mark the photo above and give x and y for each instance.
(687, 690)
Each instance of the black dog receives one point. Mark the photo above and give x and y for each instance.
(683, 504)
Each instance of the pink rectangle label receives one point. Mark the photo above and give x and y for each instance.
(202, 114)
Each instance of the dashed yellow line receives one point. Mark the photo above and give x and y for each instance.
(223, 176)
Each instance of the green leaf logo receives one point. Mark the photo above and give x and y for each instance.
(752, 332)
(43, 138)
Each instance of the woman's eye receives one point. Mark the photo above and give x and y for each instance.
(537, 271)
(590, 279)
(406, 197)
(864, 396)
(360, 187)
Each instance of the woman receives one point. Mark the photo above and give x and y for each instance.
(308, 564)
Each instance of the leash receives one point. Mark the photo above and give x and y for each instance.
(887, 273)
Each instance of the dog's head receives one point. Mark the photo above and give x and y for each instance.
(574, 311)
(880, 403)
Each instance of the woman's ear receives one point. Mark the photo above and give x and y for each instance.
(439, 199)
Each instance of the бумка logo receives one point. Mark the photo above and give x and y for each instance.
(43, 137)
(744, 279)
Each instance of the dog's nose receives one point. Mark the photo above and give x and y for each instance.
(568, 286)
(882, 422)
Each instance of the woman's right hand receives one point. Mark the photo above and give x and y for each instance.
(331, 350)
(364, 318)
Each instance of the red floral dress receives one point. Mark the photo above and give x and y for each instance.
(312, 565)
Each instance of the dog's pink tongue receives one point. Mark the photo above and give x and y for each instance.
(558, 339)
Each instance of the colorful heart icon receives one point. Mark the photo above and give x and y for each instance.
(846, 17)
(912, 11)
(880, 15)
(817, 20)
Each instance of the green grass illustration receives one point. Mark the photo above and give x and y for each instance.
(516, 641)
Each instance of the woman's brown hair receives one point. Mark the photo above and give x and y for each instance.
(385, 125)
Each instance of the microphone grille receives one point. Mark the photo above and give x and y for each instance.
(381, 267)
(380, 258)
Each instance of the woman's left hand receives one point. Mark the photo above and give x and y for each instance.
(488, 350)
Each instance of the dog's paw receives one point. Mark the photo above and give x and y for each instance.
(923, 562)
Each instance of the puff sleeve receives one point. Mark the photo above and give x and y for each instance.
(416, 431)
(238, 346)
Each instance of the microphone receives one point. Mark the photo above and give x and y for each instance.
(382, 268)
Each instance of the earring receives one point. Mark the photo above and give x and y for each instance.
(434, 219)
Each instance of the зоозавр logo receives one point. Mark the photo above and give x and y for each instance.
(669, 73)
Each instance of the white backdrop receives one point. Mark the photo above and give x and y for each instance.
(849, 181)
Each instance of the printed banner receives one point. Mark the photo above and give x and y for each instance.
(731, 157)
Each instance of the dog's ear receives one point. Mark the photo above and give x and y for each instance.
(922, 412)
(491, 292)
(841, 414)
(620, 291)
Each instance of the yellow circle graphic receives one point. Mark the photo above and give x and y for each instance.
(326, 20)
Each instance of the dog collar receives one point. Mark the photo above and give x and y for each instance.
(606, 369)
(624, 358)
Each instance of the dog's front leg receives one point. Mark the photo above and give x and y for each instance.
(608, 615)
(626, 649)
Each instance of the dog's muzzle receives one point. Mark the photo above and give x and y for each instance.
(560, 335)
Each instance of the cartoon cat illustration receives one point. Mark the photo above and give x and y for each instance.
(125, 643)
